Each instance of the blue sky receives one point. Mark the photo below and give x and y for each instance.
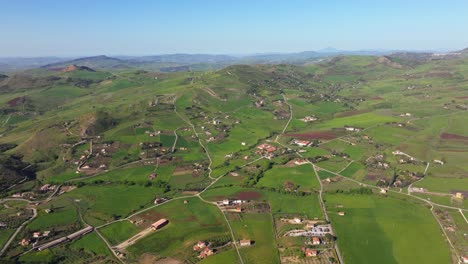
(89, 27)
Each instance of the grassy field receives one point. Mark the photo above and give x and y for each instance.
(119, 110)
(63, 213)
(363, 120)
(119, 232)
(280, 203)
(5, 235)
(443, 184)
(224, 257)
(137, 174)
(195, 221)
(302, 176)
(101, 203)
(292, 204)
(91, 243)
(45, 256)
(385, 230)
(259, 228)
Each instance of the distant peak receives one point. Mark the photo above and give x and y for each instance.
(328, 50)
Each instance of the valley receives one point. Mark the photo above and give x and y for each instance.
(350, 159)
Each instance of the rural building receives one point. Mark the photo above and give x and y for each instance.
(206, 252)
(465, 259)
(459, 195)
(266, 147)
(152, 176)
(341, 213)
(80, 233)
(349, 128)
(315, 241)
(297, 220)
(439, 162)
(270, 149)
(301, 143)
(310, 252)
(52, 243)
(309, 119)
(45, 187)
(24, 242)
(245, 243)
(200, 245)
(300, 162)
(158, 224)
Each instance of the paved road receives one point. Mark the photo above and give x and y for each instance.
(199, 141)
(463, 215)
(375, 187)
(322, 204)
(108, 246)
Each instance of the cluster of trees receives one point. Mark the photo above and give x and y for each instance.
(252, 180)
(14, 169)
(104, 121)
(361, 190)
(340, 154)
(158, 183)
(219, 241)
(318, 159)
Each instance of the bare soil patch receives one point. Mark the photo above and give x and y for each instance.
(453, 136)
(372, 177)
(148, 218)
(16, 101)
(249, 195)
(147, 258)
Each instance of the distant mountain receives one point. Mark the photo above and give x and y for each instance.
(329, 50)
(95, 62)
(202, 62)
(16, 64)
(298, 57)
(185, 58)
